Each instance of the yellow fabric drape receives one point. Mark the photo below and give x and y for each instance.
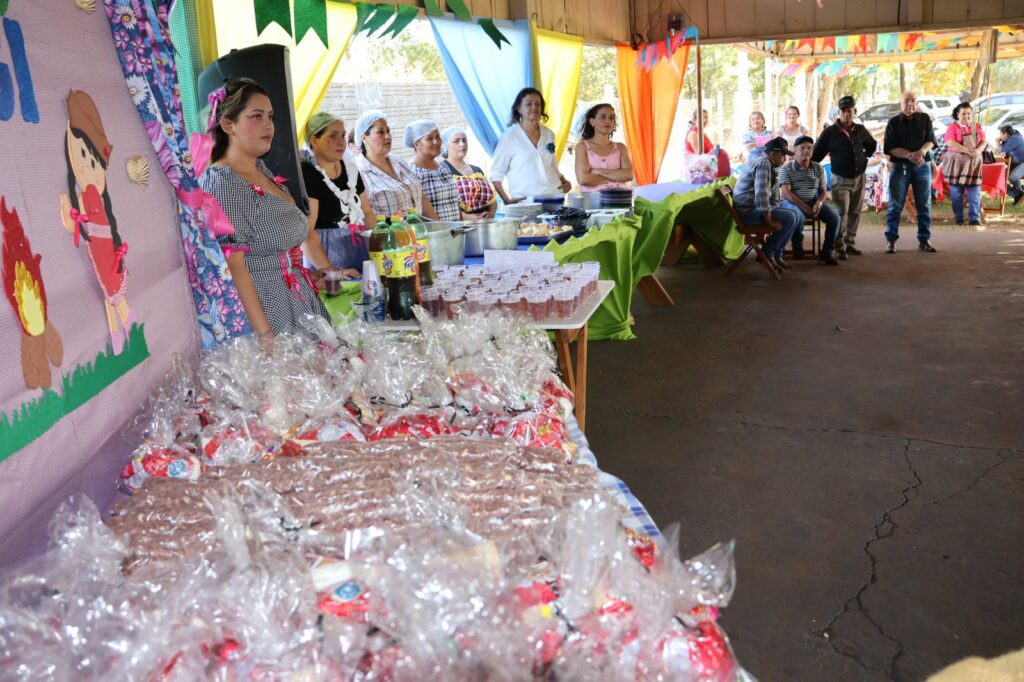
(557, 58)
(207, 32)
(312, 64)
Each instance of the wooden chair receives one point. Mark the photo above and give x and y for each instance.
(753, 236)
(815, 232)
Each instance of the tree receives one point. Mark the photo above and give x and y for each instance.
(598, 70)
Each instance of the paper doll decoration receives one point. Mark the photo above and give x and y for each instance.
(41, 345)
(87, 214)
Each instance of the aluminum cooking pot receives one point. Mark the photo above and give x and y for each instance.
(447, 242)
(492, 235)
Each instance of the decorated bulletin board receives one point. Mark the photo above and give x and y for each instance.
(96, 300)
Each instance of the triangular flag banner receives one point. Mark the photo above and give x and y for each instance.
(928, 46)
(901, 42)
(828, 43)
(273, 11)
(841, 44)
(769, 43)
(818, 44)
(809, 42)
(844, 72)
(691, 33)
(912, 40)
(863, 47)
(311, 14)
(820, 68)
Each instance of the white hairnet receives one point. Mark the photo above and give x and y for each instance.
(367, 119)
(448, 134)
(417, 129)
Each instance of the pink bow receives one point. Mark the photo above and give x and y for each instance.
(280, 179)
(259, 190)
(215, 98)
(228, 249)
(79, 217)
(119, 254)
(213, 215)
(200, 147)
(353, 232)
(290, 280)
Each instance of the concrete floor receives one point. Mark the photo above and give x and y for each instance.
(859, 430)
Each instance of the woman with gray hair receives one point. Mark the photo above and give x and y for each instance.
(476, 195)
(438, 183)
(391, 184)
(338, 207)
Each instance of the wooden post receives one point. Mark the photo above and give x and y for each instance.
(700, 107)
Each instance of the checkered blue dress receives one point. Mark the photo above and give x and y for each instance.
(269, 226)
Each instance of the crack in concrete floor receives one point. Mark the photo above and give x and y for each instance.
(885, 528)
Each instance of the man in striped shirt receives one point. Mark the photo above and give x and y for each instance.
(803, 186)
(757, 201)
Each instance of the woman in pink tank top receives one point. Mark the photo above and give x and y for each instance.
(605, 164)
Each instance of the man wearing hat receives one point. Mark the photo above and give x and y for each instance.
(849, 145)
(803, 188)
(756, 199)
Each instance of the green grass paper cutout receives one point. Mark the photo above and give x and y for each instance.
(3, 7)
(80, 386)
(381, 16)
(492, 32)
(432, 9)
(406, 13)
(460, 9)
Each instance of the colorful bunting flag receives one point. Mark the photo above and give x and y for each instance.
(841, 44)
(648, 55)
(809, 42)
(828, 43)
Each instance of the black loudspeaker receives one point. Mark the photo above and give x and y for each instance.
(268, 66)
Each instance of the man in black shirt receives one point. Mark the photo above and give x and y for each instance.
(849, 145)
(909, 137)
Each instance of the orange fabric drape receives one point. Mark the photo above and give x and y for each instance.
(648, 100)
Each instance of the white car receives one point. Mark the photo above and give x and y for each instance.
(994, 118)
(1000, 99)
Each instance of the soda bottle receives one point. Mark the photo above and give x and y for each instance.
(419, 231)
(376, 243)
(400, 270)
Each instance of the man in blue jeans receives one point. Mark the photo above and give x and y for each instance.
(756, 199)
(909, 137)
(802, 183)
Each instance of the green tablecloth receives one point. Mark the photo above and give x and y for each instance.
(340, 306)
(612, 246)
(703, 212)
(658, 218)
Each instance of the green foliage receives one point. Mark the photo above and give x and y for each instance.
(598, 70)
(409, 53)
(35, 417)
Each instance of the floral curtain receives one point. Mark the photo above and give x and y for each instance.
(142, 39)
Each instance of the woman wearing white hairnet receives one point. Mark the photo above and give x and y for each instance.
(438, 183)
(391, 184)
(476, 195)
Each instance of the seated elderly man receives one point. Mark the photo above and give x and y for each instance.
(756, 199)
(803, 186)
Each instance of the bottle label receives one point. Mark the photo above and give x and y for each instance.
(378, 259)
(422, 251)
(400, 263)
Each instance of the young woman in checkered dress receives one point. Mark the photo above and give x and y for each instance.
(263, 253)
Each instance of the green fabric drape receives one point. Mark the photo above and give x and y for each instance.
(612, 247)
(703, 212)
(185, 34)
(658, 217)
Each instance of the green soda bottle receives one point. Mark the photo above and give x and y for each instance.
(419, 231)
(376, 244)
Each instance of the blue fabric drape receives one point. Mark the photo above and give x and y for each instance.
(485, 79)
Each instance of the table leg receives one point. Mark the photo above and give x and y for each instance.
(581, 378)
(654, 293)
(707, 253)
(677, 245)
(562, 339)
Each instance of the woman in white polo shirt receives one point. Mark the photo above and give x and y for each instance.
(525, 155)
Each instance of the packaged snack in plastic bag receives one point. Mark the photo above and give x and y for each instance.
(158, 461)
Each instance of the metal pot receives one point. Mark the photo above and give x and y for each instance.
(447, 242)
(492, 235)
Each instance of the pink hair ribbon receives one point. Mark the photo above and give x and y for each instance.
(119, 254)
(215, 98)
(79, 217)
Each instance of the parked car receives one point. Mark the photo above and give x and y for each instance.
(995, 118)
(937, 107)
(1000, 99)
